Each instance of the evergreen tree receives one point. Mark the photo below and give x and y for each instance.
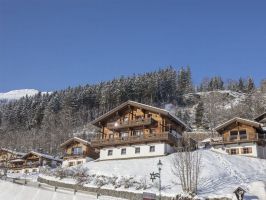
(199, 114)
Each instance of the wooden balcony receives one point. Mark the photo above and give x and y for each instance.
(130, 123)
(241, 139)
(159, 137)
(75, 155)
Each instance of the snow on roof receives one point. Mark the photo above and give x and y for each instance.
(238, 119)
(260, 117)
(13, 152)
(75, 139)
(49, 157)
(144, 106)
(17, 160)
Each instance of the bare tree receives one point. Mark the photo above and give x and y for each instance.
(186, 167)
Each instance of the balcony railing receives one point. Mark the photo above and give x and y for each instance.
(130, 123)
(71, 155)
(241, 138)
(34, 165)
(166, 136)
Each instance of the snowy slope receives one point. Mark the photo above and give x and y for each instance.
(17, 94)
(11, 191)
(221, 174)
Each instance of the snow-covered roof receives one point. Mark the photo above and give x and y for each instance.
(140, 105)
(75, 139)
(238, 119)
(12, 152)
(260, 117)
(17, 160)
(49, 157)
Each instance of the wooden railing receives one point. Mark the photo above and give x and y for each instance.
(34, 165)
(130, 123)
(166, 136)
(82, 154)
(241, 138)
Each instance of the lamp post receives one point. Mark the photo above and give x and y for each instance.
(158, 175)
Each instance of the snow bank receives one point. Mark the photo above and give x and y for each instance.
(11, 191)
(220, 175)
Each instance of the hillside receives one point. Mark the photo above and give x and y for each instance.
(45, 121)
(220, 174)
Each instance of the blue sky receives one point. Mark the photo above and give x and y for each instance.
(53, 44)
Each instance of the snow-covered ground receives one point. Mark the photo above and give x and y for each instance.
(11, 191)
(221, 175)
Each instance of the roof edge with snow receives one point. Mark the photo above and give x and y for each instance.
(240, 120)
(140, 105)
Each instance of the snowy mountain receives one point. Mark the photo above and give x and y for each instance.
(17, 94)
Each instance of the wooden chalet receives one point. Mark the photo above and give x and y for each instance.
(132, 124)
(7, 155)
(242, 136)
(77, 151)
(30, 162)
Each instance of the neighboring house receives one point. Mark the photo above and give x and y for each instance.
(32, 161)
(262, 119)
(242, 137)
(137, 130)
(6, 156)
(77, 151)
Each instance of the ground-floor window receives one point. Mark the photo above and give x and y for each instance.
(246, 150)
(123, 151)
(152, 148)
(34, 170)
(110, 152)
(71, 164)
(234, 151)
(137, 150)
(79, 162)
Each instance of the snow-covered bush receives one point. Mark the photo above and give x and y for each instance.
(100, 181)
(81, 175)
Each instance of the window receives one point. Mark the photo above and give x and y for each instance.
(247, 150)
(243, 134)
(234, 151)
(123, 151)
(137, 150)
(137, 132)
(233, 135)
(152, 148)
(77, 151)
(110, 152)
(124, 135)
(34, 170)
(71, 164)
(79, 162)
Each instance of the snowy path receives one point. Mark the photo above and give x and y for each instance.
(11, 191)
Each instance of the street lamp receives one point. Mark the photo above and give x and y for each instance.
(158, 175)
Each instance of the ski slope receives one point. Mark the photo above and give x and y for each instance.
(11, 191)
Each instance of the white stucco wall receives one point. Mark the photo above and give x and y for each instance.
(74, 161)
(239, 147)
(160, 149)
(262, 152)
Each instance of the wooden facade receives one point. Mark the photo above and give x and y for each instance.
(6, 156)
(78, 148)
(132, 123)
(240, 130)
(34, 160)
